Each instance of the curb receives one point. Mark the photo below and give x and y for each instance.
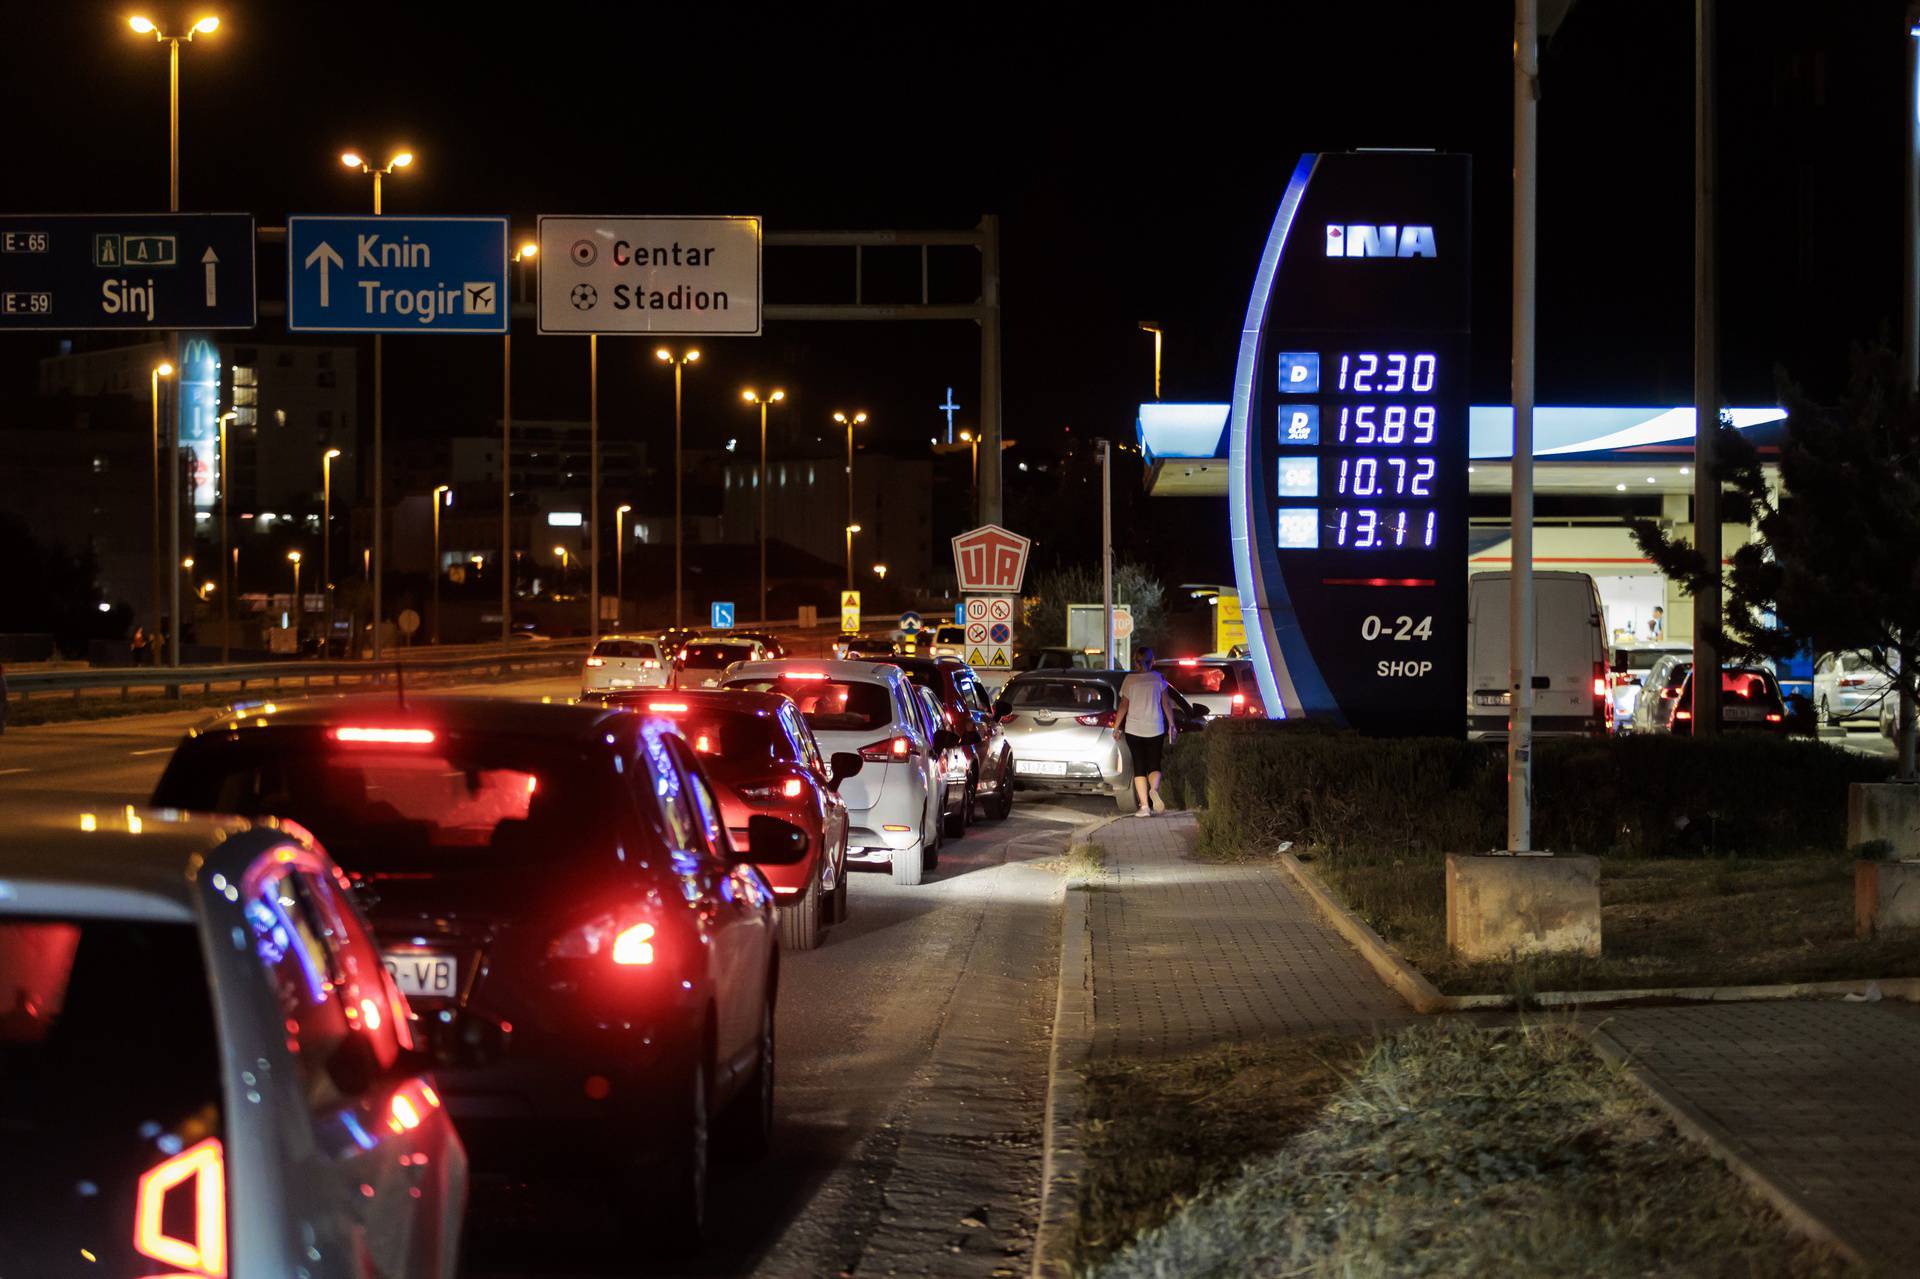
(1701, 1127)
(1425, 997)
(1063, 1159)
(1085, 834)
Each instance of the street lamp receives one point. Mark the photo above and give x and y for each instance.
(438, 489)
(299, 610)
(561, 551)
(858, 419)
(201, 27)
(752, 396)
(527, 251)
(619, 564)
(851, 530)
(398, 161)
(160, 370)
(326, 528)
(227, 558)
(679, 362)
(973, 474)
(1150, 326)
(880, 571)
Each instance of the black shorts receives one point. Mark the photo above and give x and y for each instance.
(1146, 752)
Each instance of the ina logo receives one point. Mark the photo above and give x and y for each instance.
(1362, 240)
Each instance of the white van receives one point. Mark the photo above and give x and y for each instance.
(1570, 693)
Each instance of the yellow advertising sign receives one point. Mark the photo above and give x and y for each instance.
(1229, 631)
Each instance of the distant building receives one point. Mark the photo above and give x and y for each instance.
(807, 508)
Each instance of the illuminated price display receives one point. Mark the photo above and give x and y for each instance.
(1350, 439)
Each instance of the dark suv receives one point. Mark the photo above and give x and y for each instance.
(969, 713)
(554, 890)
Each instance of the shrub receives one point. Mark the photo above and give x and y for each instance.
(1267, 781)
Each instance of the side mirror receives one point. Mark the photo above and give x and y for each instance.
(843, 765)
(945, 739)
(1002, 708)
(772, 842)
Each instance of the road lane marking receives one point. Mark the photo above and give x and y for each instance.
(153, 750)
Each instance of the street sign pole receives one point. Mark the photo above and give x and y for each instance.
(1106, 548)
(1520, 628)
(593, 486)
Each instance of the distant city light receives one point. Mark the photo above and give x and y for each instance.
(564, 519)
(104, 607)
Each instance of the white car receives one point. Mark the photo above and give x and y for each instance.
(626, 661)
(208, 1069)
(1631, 665)
(703, 663)
(1846, 686)
(1061, 727)
(1221, 686)
(948, 640)
(870, 708)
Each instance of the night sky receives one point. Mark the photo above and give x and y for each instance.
(1136, 164)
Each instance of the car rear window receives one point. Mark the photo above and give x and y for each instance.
(1078, 694)
(950, 635)
(109, 1069)
(1638, 660)
(743, 737)
(714, 656)
(1204, 679)
(625, 648)
(445, 804)
(831, 705)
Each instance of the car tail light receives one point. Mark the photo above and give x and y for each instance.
(892, 749)
(360, 736)
(1239, 703)
(596, 661)
(649, 663)
(1683, 713)
(625, 942)
(205, 1251)
(634, 945)
(1600, 679)
(786, 788)
(1103, 719)
(667, 708)
(803, 674)
(1851, 681)
(1773, 717)
(704, 744)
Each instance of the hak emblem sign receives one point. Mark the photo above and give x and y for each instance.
(1364, 240)
(990, 559)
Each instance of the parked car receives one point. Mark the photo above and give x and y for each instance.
(954, 768)
(967, 709)
(1064, 738)
(206, 1062)
(776, 650)
(1846, 686)
(626, 661)
(1660, 692)
(703, 663)
(1628, 671)
(554, 889)
(948, 640)
(1570, 694)
(869, 708)
(1749, 700)
(763, 758)
(848, 647)
(1221, 686)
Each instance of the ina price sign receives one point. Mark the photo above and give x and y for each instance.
(1348, 463)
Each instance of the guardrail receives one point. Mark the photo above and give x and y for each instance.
(305, 675)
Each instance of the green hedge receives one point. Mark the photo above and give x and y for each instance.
(1265, 781)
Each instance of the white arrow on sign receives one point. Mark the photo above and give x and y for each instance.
(211, 259)
(323, 254)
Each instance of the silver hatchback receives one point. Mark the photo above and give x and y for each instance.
(1061, 728)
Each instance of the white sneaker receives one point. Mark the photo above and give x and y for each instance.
(1159, 805)
(1144, 811)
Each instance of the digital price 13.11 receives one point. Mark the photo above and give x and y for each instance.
(1369, 528)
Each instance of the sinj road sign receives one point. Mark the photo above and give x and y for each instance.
(127, 271)
(396, 275)
(663, 276)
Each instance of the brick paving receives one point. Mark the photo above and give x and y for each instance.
(1818, 1095)
(1186, 954)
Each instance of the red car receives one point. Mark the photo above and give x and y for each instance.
(763, 759)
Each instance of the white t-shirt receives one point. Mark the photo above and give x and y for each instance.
(1144, 691)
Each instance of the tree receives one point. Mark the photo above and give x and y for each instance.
(1044, 614)
(1833, 565)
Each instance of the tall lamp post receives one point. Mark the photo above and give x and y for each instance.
(160, 370)
(679, 362)
(752, 396)
(620, 564)
(851, 530)
(527, 251)
(399, 161)
(857, 419)
(204, 26)
(973, 474)
(1149, 326)
(226, 554)
(326, 534)
(299, 608)
(438, 489)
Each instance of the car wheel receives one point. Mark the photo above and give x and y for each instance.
(907, 864)
(675, 1218)
(1826, 713)
(749, 1119)
(956, 822)
(800, 925)
(1003, 797)
(840, 898)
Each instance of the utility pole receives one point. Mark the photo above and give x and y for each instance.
(1106, 548)
(1520, 655)
(593, 485)
(1706, 391)
(1910, 338)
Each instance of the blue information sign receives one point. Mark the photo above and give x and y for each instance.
(910, 621)
(722, 615)
(126, 271)
(396, 275)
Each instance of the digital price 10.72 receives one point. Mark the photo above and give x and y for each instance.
(1386, 477)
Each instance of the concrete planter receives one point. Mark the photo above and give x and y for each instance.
(1501, 906)
(1888, 811)
(1885, 895)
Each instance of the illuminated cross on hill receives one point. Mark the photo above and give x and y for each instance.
(949, 408)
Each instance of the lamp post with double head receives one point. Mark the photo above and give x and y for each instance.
(679, 361)
(620, 563)
(752, 396)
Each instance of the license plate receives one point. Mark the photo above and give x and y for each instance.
(1493, 699)
(425, 975)
(1044, 767)
(622, 683)
(1742, 713)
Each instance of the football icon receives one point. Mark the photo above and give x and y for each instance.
(584, 296)
(584, 252)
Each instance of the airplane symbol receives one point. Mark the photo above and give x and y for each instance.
(480, 297)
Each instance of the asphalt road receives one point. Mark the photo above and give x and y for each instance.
(912, 1067)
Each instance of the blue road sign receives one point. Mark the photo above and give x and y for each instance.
(396, 275)
(959, 614)
(126, 271)
(909, 621)
(1000, 633)
(722, 615)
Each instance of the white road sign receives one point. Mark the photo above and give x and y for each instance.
(652, 275)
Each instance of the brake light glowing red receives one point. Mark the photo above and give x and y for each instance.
(1773, 717)
(405, 1116)
(634, 946)
(793, 788)
(205, 1253)
(803, 674)
(1239, 700)
(668, 708)
(703, 744)
(1103, 719)
(1189, 661)
(1683, 714)
(891, 750)
(649, 663)
(384, 736)
(1599, 688)
(1851, 681)
(596, 661)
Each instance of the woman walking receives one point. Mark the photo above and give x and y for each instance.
(1145, 715)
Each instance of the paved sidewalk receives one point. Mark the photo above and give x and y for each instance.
(1817, 1096)
(1186, 954)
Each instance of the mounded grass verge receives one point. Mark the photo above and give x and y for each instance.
(1443, 1150)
